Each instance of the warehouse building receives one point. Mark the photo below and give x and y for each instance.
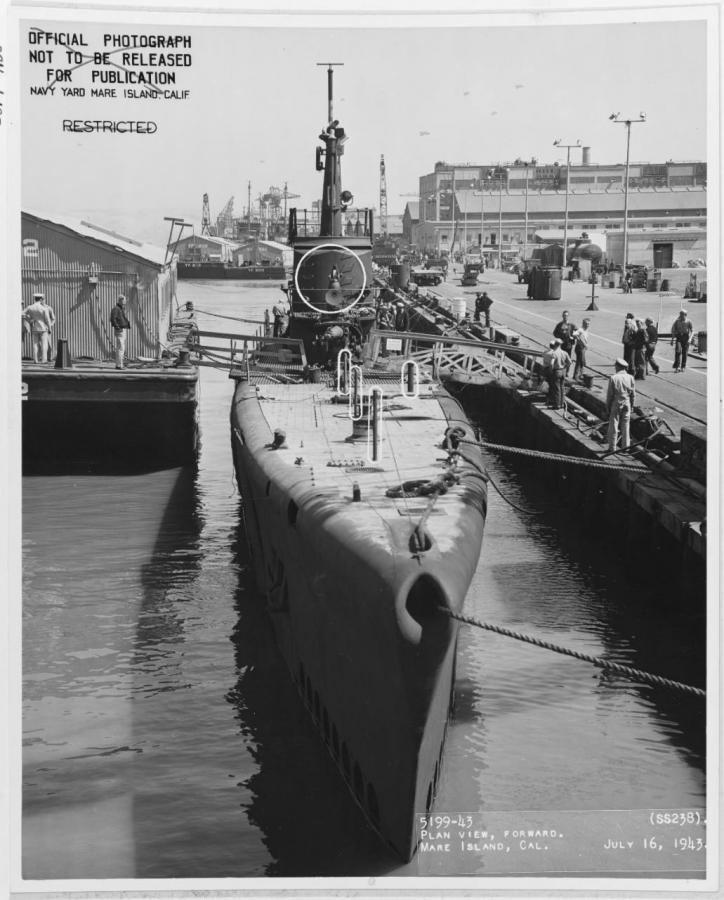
(503, 206)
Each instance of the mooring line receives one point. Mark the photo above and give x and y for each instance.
(554, 457)
(565, 651)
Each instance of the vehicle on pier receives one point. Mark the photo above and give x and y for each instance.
(339, 462)
(470, 274)
(424, 277)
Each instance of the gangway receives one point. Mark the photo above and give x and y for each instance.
(264, 359)
(255, 357)
(449, 356)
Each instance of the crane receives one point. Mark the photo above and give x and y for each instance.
(205, 217)
(383, 196)
(225, 220)
(288, 196)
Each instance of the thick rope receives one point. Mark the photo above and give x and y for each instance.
(554, 457)
(205, 312)
(594, 660)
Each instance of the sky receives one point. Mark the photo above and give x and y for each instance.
(257, 102)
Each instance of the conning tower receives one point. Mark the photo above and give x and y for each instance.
(332, 253)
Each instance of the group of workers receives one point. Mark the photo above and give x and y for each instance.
(38, 320)
(639, 341)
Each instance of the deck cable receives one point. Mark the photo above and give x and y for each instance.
(606, 665)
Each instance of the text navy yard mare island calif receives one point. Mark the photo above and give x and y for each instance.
(364, 500)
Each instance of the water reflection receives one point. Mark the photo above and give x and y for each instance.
(297, 798)
(640, 618)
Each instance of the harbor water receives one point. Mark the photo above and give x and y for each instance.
(163, 737)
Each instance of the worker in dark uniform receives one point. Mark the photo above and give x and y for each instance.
(640, 341)
(402, 318)
(652, 334)
(482, 305)
(565, 331)
(681, 332)
(281, 319)
(121, 327)
(629, 329)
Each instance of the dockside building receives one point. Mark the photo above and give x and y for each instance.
(504, 206)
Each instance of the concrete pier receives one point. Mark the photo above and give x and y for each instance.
(652, 515)
(653, 518)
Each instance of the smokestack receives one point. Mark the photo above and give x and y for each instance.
(586, 156)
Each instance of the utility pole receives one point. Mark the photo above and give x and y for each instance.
(465, 227)
(525, 236)
(452, 212)
(484, 181)
(614, 117)
(383, 197)
(568, 178)
(500, 215)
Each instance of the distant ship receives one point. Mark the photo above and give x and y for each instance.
(216, 270)
(364, 499)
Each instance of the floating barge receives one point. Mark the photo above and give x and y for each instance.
(77, 407)
(97, 415)
(219, 270)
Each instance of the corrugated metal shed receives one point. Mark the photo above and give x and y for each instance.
(82, 268)
(114, 240)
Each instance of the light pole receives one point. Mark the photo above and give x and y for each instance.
(614, 117)
(568, 176)
(500, 217)
(427, 200)
(484, 180)
(525, 236)
(452, 214)
(465, 227)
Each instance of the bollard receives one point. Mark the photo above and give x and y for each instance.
(184, 359)
(62, 357)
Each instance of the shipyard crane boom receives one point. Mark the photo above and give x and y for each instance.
(225, 220)
(383, 196)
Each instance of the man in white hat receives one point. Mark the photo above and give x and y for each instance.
(556, 363)
(40, 318)
(619, 403)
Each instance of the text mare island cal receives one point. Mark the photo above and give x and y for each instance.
(116, 65)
